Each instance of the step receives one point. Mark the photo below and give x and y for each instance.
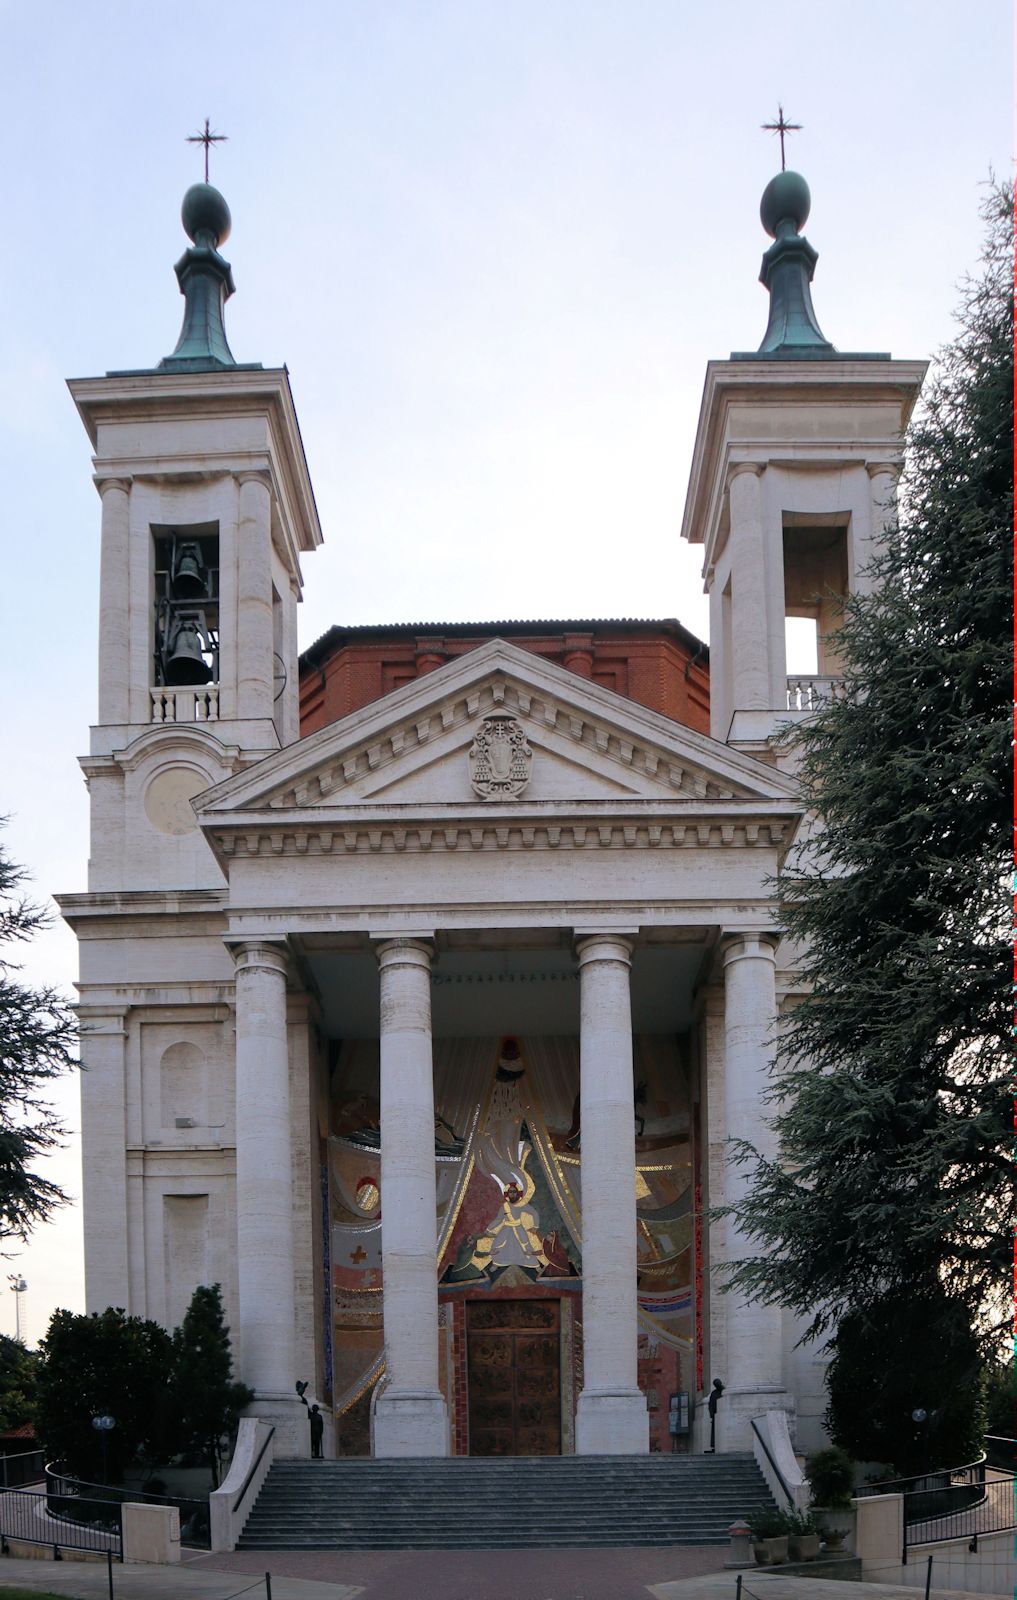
(503, 1503)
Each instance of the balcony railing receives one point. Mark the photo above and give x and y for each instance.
(806, 693)
(194, 704)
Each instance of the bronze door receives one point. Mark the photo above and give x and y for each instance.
(514, 1377)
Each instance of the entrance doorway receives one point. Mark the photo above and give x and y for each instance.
(514, 1377)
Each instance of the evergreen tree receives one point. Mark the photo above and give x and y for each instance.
(37, 1032)
(906, 1384)
(18, 1368)
(106, 1364)
(893, 1177)
(208, 1400)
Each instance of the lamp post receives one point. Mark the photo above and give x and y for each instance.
(103, 1426)
(18, 1287)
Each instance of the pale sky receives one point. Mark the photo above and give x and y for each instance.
(496, 244)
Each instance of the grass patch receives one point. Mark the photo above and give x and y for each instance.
(15, 1592)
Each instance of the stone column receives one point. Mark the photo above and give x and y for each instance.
(265, 1191)
(254, 597)
(114, 603)
(750, 644)
(410, 1416)
(754, 1376)
(611, 1417)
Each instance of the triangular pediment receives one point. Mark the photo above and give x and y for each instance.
(584, 744)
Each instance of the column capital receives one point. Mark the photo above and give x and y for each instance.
(876, 469)
(404, 951)
(259, 955)
(738, 467)
(739, 944)
(103, 484)
(254, 475)
(604, 946)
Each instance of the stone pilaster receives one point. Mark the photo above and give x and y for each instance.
(114, 602)
(410, 1416)
(883, 477)
(265, 1191)
(254, 597)
(611, 1417)
(104, 1174)
(754, 1376)
(750, 643)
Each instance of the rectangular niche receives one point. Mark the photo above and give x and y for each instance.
(185, 1251)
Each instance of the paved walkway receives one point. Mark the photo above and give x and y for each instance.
(682, 1573)
(759, 1586)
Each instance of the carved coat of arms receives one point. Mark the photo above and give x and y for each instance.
(500, 757)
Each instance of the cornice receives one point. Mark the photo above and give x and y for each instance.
(382, 835)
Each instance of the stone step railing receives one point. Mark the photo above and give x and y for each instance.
(806, 693)
(198, 703)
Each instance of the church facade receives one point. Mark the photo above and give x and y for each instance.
(425, 979)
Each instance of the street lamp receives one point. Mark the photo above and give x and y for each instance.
(18, 1287)
(103, 1426)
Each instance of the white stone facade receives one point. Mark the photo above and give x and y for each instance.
(253, 895)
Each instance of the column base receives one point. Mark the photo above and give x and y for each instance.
(739, 1406)
(612, 1423)
(289, 1419)
(410, 1422)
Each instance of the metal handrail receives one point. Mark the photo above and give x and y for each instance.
(788, 1495)
(893, 1485)
(238, 1497)
(193, 1533)
(19, 1519)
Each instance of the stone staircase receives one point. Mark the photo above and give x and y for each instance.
(501, 1503)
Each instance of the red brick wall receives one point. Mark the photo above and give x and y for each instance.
(658, 670)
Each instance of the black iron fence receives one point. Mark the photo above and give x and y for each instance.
(25, 1467)
(981, 1505)
(32, 1519)
(75, 1498)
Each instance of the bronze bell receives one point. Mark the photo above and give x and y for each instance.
(185, 663)
(189, 573)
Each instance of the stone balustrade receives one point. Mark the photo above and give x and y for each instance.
(191, 704)
(806, 693)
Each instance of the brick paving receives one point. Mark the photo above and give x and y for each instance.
(555, 1574)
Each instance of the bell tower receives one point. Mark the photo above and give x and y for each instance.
(207, 507)
(792, 487)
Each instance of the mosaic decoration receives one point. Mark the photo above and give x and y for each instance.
(508, 1165)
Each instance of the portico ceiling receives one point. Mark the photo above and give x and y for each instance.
(477, 993)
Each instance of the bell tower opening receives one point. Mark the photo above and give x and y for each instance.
(186, 588)
(815, 588)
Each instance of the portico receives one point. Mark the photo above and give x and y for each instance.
(411, 917)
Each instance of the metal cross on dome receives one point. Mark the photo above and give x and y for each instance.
(780, 126)
(207, 138)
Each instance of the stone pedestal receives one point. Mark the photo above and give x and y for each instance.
(410, 1417)
(611, 1415)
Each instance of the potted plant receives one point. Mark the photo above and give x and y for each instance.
(831, 1476)
(803, 1536)
(769, 1530)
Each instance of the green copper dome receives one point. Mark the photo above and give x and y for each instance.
(786, 198)
(204, 211)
